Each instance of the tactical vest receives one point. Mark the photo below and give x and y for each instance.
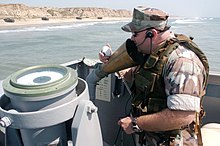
(149, 88)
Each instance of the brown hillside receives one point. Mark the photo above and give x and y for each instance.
(21, 11)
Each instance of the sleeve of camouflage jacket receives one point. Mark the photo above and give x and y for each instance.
(184, 76)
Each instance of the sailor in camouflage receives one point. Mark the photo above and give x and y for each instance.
(168, 84)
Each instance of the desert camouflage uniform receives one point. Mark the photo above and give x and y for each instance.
(184, 76)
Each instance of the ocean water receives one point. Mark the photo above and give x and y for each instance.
(26, 46)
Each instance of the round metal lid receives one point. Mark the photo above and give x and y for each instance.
(36, 82)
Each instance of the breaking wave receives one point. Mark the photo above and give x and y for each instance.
(190, 20)
(55, 27)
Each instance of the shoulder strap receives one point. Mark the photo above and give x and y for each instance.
(191, 45)
(187, 41)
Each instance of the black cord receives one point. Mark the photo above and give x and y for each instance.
(151, 45)
(133, 138)
(128, 114)
(126, 106)
(116, 139)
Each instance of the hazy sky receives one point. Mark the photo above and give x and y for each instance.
(192, 8)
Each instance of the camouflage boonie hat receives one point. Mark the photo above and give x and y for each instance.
(146, 18)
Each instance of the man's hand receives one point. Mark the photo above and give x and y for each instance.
(105, 53)
(103, 58)
(126, 124)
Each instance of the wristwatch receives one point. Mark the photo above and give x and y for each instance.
(135, 127)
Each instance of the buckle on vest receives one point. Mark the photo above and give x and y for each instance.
(151, 61)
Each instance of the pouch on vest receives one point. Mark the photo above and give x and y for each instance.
(144, 85)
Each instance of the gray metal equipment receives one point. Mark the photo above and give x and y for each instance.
(48, 105)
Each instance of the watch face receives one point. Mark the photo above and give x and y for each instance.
(134, 121)
(136, 128)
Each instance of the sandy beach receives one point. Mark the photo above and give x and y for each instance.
(38, 21)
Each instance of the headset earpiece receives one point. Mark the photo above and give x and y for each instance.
(149, 34)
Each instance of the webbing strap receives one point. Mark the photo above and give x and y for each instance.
(198, 129)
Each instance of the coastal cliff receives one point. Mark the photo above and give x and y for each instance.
(21, 11)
